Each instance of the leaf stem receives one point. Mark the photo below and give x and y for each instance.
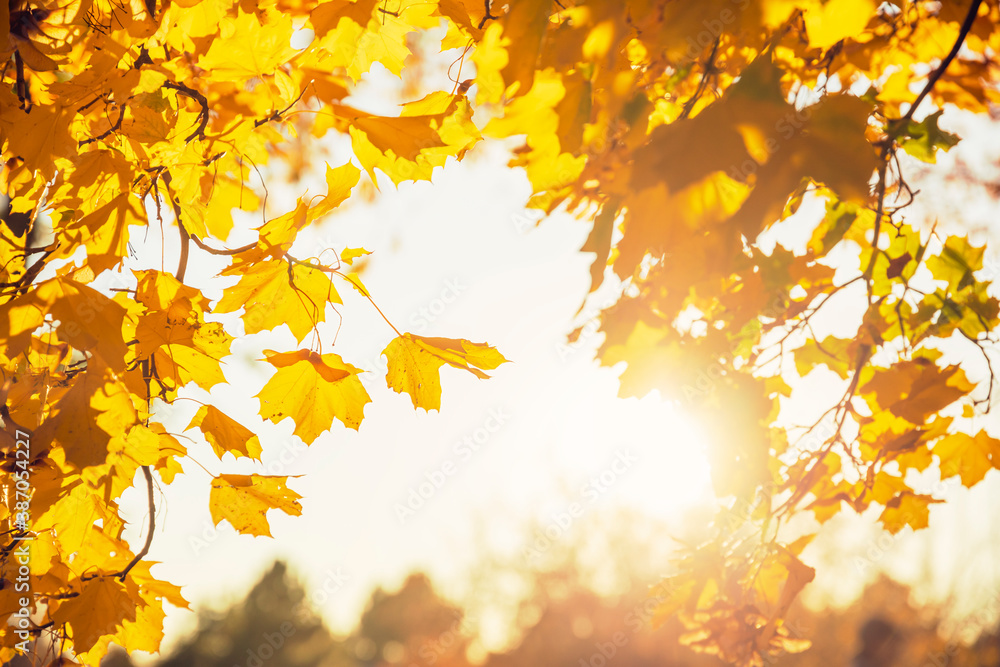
(327, 269)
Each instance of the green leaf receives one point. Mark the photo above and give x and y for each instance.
(921, 140)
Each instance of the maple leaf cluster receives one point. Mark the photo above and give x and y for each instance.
(685, 130)
(118, 118)
(702, 139)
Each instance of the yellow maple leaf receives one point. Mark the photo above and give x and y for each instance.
(140, 446)
(100, 608)
(339, 182)
(907, 509)
(273, 292)
(313, 390)
(968, 457)
(490, 58)
(39, 136)
(244, 500)
(348, 255)
(414, 364)
(170, 450)
(68, 508)
(143, 634)
(278, 234)
(524, 25)
(104, 232)
(184, 348)
(90, 321)
(835, 20)
(158, 290)
(355, 35)
(247, 49)
(916, 389)
(225, 434)
(409, 146)
(97, 408)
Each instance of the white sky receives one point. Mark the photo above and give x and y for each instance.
(562, 425)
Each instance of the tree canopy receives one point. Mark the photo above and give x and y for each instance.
(686, 131)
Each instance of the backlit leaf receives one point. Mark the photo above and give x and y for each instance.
(243, 501)
(415, 363)
(225, 434)
(313, 390)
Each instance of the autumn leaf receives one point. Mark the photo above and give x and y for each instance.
(313, 390)
(225, 434)
(736, 164)
(339, 183)
(95, 409)
(833, 21)
(916, 389)
(275, 292)
(246, 48)
(922, 140)
(243, 500)
(415, 363)
(101, 607)
(969, 457)
(39, 136)
(104, 232)
(524, 25)
(87, 319)
(348, 255)
(907, 509)
(832, 352)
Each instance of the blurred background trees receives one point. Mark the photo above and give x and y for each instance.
(563, 620)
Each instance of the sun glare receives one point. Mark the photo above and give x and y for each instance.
(675, 453)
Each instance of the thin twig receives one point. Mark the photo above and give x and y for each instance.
(487, 16)
(709, 66)
(223, 251)
(879, 212)
(202, 102)
(326, 269)
(21, 85)
(114, 128)
(276, 115)
(898, 126)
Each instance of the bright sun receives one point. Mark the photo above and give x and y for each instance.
(647, 454)
(674, 448)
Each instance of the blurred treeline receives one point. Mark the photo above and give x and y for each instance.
(562, 622)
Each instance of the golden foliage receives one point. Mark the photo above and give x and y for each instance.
(685, 129)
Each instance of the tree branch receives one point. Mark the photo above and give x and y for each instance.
(487, 16)
(200, 99)
(277, 115)
(114, 128)
(185, 236)
(152, 525)
(939, 72)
